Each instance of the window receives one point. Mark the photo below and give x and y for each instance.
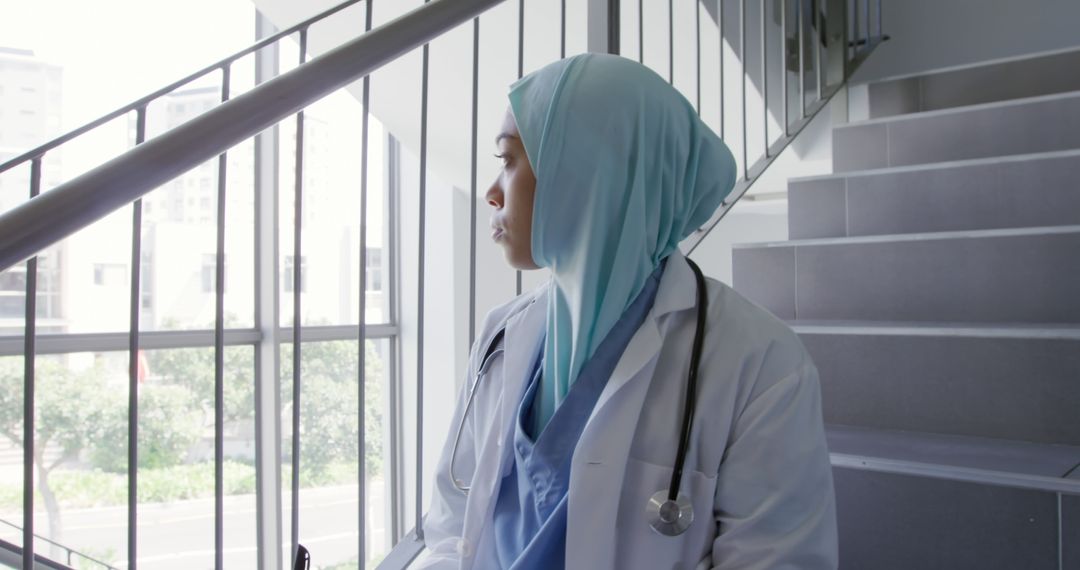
(109, 274)
(209, 272)
(373, 270)
(14, 279)
(289, 268)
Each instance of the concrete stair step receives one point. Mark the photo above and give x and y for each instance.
(927, 501)
(982, 276)
(1018, 191)
(1009, 381)
(987, 461)
(997, 80)
(1036, 124)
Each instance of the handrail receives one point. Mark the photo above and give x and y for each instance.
(60, 212)
(146, 100)
(7, 546)
(12, 555)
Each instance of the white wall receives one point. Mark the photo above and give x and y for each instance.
(931, 34)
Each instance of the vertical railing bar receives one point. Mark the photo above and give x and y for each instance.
(742, 57)
(640, 31)
(472, 167)
(764, 79)
(720, 24)
(418, 503)
(880, 33)
(817, 50)
(697, 54)
(783, 64)
(133, 361)
(29, 385)
(562, 31)
(854, 29)
(520, 74)
(800, 21)
(219, 351)
(671, 41)
(393, 182)
(614, 26)
(297, 277)
(866, 9)
(361, 359)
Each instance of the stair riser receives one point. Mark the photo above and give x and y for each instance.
(900, 522)
(1039, 126)
(1027, 278)
(975, 85)
(1010, 388)
(1013, 194)
(1070, 529)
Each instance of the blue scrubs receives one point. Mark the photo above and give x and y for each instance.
(529, 521)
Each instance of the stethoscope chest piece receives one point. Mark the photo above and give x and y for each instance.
(668, 517)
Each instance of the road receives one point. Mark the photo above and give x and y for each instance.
(180, 535)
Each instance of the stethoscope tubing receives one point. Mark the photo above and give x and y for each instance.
(460, 485)
(670, 517)
(691, 383)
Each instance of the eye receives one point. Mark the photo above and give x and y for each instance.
(504, 157)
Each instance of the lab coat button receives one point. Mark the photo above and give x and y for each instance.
(463, 548)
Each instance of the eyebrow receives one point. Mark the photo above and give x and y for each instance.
(502, 136)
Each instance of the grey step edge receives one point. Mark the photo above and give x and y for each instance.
(1029, 190)
(1009, 275)
(998, 80)
(1022, 126)
(893, 521)
(979, 460)
(997, 381)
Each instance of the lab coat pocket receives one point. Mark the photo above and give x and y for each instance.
(642, 547)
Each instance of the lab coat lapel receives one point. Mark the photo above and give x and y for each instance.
(524, 330)
(675, 293)
(524, 333)
(599, 462)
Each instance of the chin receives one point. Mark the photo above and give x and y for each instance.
(519, 262)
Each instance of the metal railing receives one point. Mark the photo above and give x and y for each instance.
(70, 554)
(840, 42)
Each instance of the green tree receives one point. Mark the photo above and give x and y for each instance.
(70, 410)
(193, 368)
(170, 421)
(328, 400)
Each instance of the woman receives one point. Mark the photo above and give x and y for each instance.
(577, 413)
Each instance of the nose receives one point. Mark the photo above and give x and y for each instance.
(494, 195)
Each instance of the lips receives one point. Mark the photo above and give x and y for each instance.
(496, 233)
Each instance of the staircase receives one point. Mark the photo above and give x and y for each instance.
(935, 280)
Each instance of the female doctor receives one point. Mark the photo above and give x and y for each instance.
(584, 397)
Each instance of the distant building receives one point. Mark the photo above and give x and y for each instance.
(30, 95)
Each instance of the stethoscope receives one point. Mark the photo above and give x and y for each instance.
(669, 512)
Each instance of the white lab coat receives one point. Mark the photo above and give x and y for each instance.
(757, 469)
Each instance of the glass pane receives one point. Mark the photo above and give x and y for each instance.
(328, 464)
(330, 240)
(176, 458)
(81, 448)
(51, 77)
(82, 431)
(11, 449)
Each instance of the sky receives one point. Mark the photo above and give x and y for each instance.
(114, 51)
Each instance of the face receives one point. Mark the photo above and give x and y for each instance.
(511, 197)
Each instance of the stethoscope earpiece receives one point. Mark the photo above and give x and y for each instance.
(668, 517)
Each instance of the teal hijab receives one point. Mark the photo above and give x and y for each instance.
(625, 170)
